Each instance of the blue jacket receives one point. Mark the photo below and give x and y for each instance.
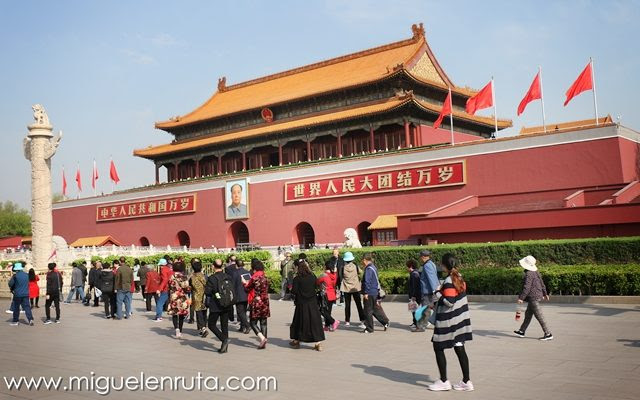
(429, 278)
(369, 281)
(19, 284)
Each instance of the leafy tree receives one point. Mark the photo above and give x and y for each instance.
(14, 220)
(57, 197)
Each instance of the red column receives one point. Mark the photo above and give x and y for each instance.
(280, 154)
(157, 174)
(309, 151)
(176, 174)
(339, 145)
(414, 135)
(244, 161)
(371, 139)
(219, 164)
(407, 137)
(197, 168)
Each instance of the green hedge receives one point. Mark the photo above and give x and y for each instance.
(505, 254)
(206, 258)
(598, 280)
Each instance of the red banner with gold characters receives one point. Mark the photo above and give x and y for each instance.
(147, 208)
(414, 178)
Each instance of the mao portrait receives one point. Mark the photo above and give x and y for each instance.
(237, 199)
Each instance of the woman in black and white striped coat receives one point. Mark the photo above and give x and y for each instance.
(452, 326)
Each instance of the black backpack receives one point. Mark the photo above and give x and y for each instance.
(107, 282)
(225, 290)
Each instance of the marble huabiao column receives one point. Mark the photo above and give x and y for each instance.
(39, 146)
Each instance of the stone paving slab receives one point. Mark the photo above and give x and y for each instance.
(595, 355)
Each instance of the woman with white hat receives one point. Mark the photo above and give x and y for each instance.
(533, 292)
(351, 287)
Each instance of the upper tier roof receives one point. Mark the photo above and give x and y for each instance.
(287, 125)
(413, 55)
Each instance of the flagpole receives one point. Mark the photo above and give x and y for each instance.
(110, 164)
(64, 194)
(93, 177)
(78, 174)
(495, 108)
(544, 123)
(593, 79)
(453, 141)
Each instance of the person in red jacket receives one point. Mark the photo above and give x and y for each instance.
(34, 289)
(166, 271)
(152, 284)
(327, 283)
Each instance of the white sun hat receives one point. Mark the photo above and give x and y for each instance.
(529, 263)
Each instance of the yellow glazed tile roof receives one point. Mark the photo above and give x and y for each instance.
(308, 121)
(278, 126)
(566, 126)
(337, 73)
(384, 222)
(93, 241)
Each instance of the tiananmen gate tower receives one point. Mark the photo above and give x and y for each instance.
(299, 156)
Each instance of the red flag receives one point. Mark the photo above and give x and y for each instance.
(64, 184)
(79, 179)
(113, 173)
(534, 93)
(446, 110)
(483, 99)
(584, 82)
(55, 253)
(94, 175)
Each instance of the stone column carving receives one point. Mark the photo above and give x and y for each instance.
(39, 146)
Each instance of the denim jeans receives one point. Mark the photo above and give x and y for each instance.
(164, 296)
(24, 303)
(123, 295)
(75, 289)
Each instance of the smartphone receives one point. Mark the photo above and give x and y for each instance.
(246, 276)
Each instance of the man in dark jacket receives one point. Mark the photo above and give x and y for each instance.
(93, 277)
(370, 289)
(106, 282)
(19, 285)
(54, 290)
(83, 268)
(124, 280)
(241, 295)
(216, 311)
(229, 269)
(415, 291)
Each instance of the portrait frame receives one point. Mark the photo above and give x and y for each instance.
(242, 210)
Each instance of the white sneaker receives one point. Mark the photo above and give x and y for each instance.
(439, 386)
(13, 323)
(347, 324)
(9, 312)
(362, 325)
(464, 387)
(178, 334)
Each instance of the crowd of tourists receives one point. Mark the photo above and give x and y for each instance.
(239, 294)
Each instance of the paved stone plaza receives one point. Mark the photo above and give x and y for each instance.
(595, 355)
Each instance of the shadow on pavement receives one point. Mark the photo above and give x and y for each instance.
(602, 311)
(494, 334)
(630, 342)
(395, 375)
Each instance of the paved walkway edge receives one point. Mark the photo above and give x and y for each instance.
(512, 299)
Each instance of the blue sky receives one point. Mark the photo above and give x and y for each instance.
(106, 71)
